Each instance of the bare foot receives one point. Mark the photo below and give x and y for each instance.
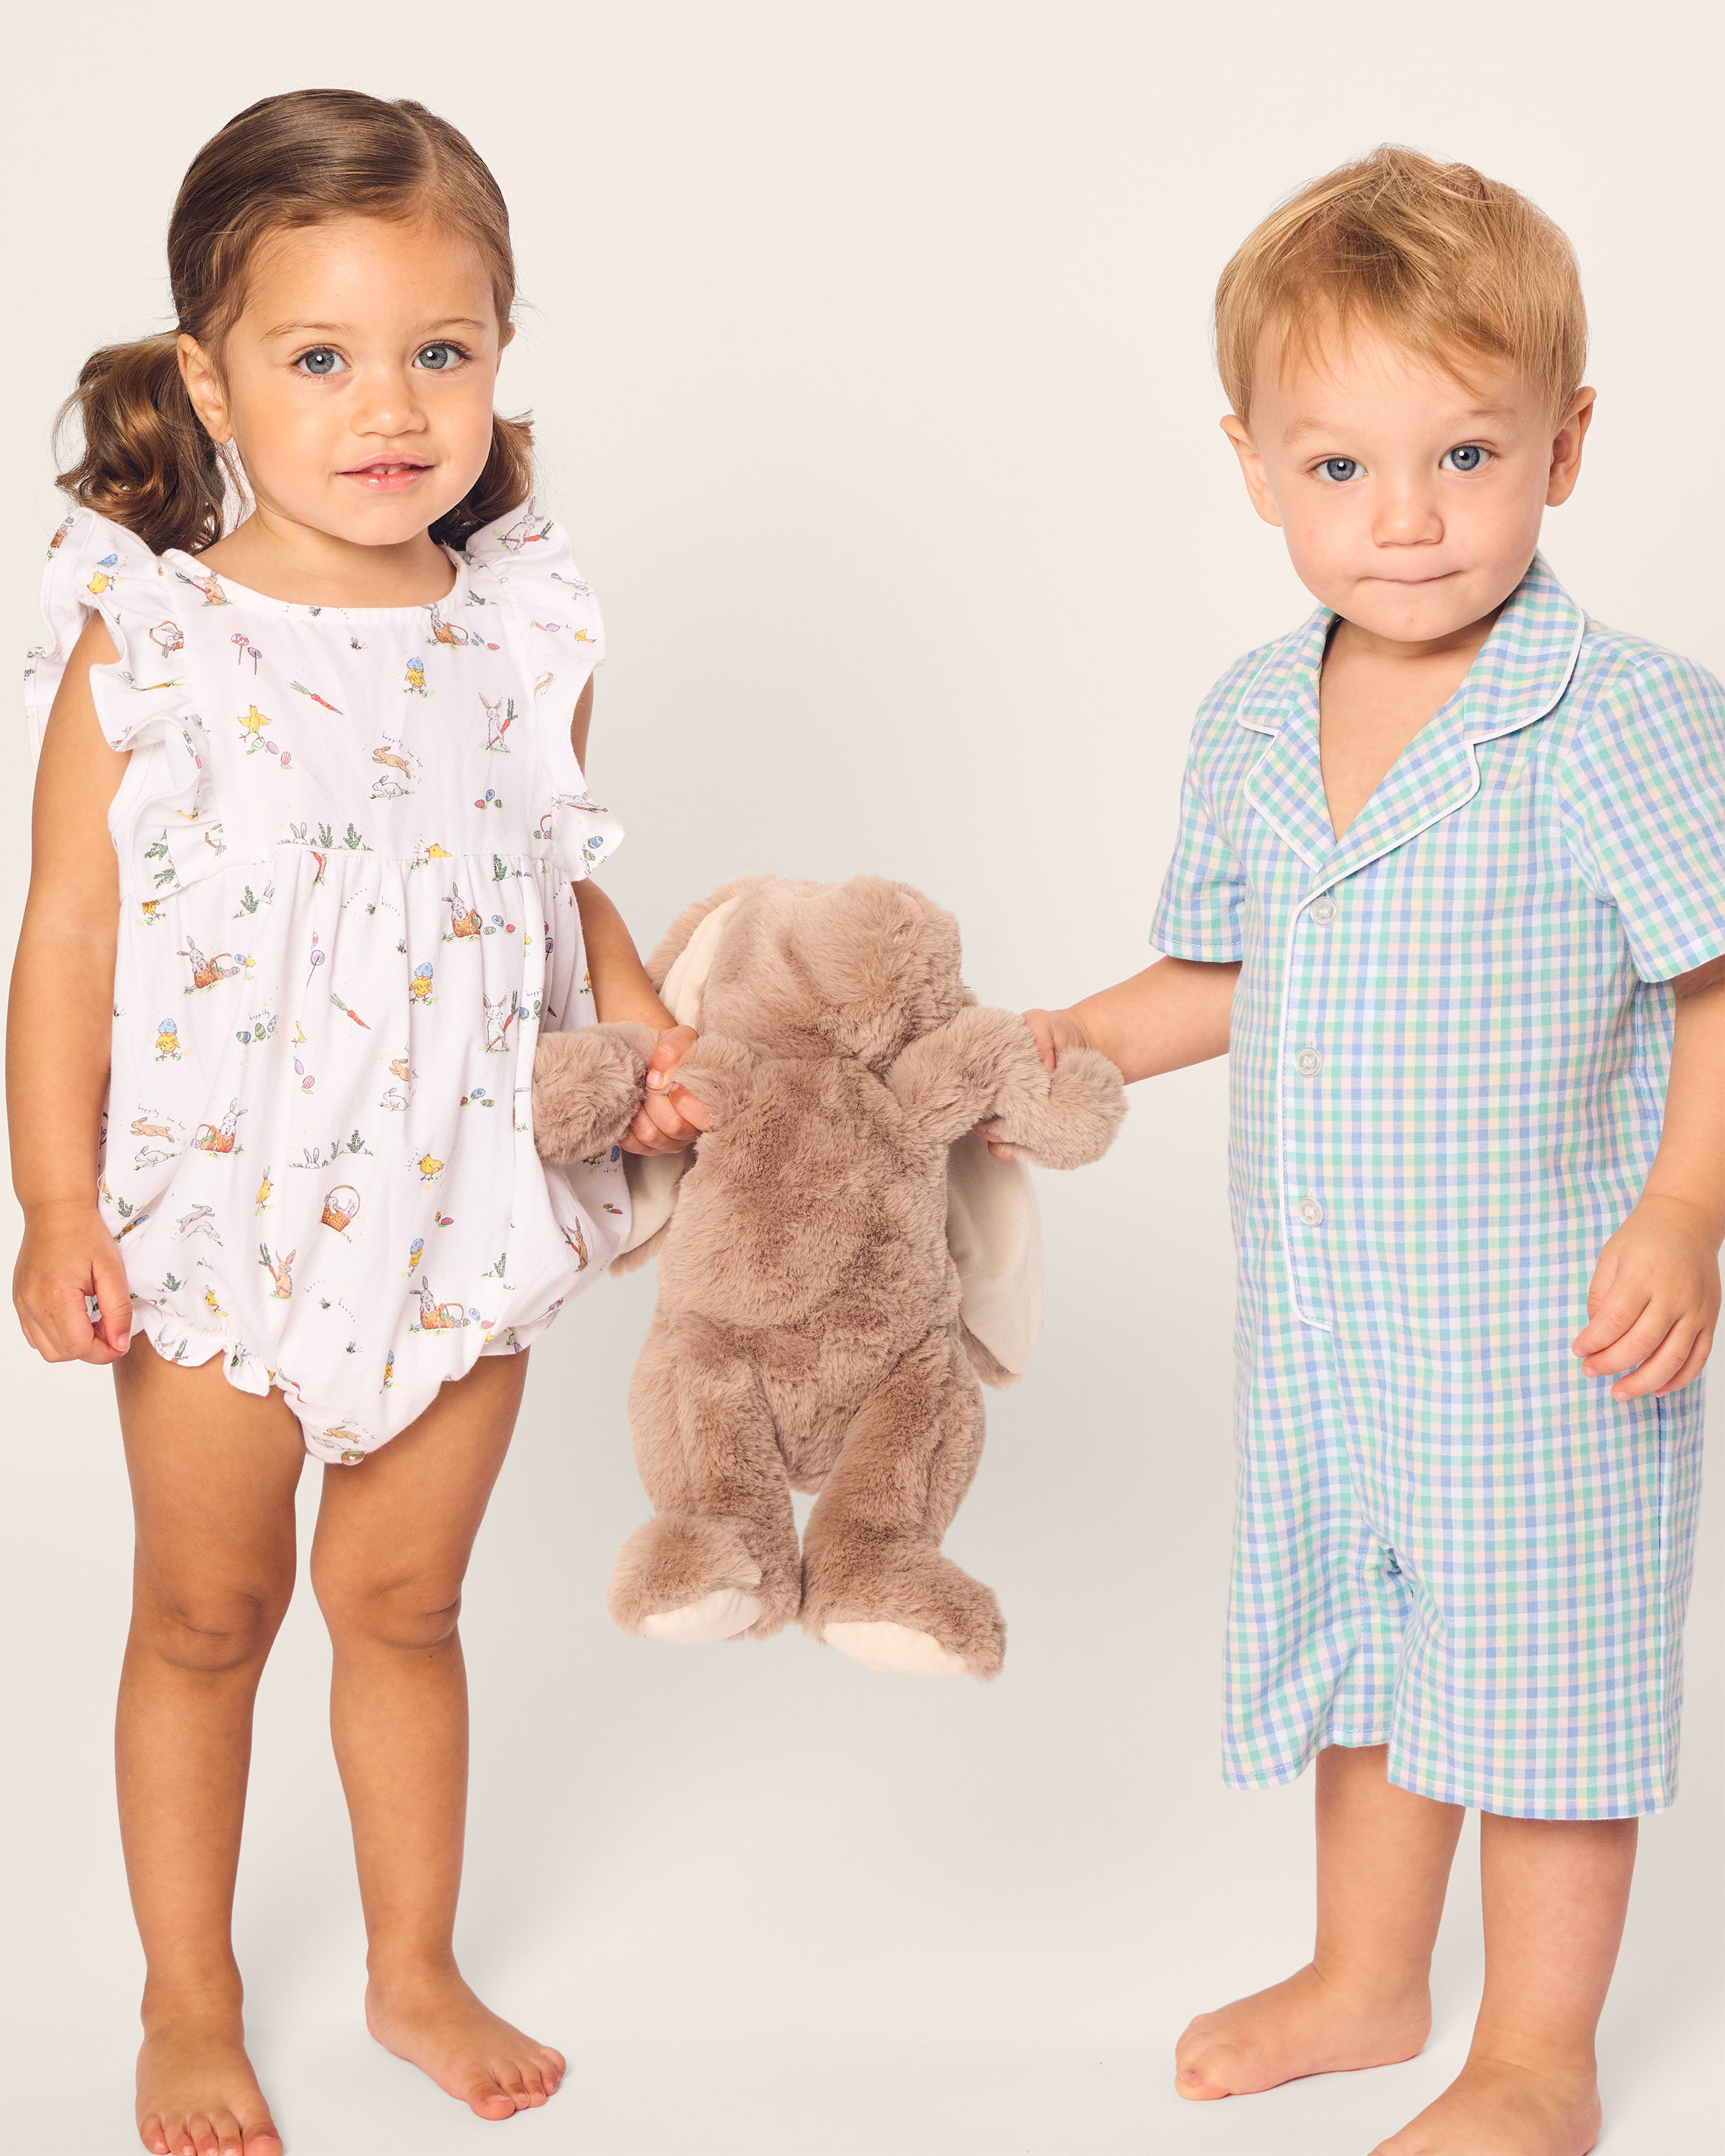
(198, 2095)
(432, 2020)
(1308, 2025)
(1495, 2107)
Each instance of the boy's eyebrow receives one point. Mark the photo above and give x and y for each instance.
(1302, 427)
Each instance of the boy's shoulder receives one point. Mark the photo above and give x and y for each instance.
(1629, 688)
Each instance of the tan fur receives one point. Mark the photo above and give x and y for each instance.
(808, 1334)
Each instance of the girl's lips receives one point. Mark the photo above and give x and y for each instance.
(386, 478)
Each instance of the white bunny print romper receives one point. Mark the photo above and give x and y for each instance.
(347, 840)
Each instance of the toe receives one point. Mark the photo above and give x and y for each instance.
(262, 2139)
(203, 2136)
(486, 2100)
(552, 2067)
(229, 2134)
(153, 2135)
(1199, 2082)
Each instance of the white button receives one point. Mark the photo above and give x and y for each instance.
(1308, 1062)
(1324, 911)
(1310, 1211)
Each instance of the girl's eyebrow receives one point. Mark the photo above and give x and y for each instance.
(343, 329)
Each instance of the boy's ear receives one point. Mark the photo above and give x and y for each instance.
(1251, 466)
(1566, 447)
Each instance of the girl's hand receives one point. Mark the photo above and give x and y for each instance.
(1653, 1301)
(671, 1117)
(67, 1256)
(1051, 1031)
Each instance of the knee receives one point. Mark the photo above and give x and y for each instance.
(415, 1613)
(210, 1630)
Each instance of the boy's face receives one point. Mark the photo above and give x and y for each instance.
(1410, 502)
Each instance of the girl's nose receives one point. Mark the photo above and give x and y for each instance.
(386, 406)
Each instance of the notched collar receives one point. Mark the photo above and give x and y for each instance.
(1520, 675)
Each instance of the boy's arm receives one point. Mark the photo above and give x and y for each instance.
(1174, 1013)
(1654, 1302)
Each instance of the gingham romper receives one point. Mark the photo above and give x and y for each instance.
(348, 839)
(1450, 1039)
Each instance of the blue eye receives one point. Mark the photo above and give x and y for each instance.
(439, 357)
(321, 362)
(1340, 468)
(1468, 457)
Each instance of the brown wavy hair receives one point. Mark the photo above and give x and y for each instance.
(296, 160)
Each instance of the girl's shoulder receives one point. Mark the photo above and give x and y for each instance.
(524, 563)
(96, 567)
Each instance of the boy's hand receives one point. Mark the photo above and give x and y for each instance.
(1051, 1031)
(68, 1255)
(671, 1117)
(1653, 1301)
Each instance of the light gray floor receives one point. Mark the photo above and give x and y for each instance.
(772, 1904)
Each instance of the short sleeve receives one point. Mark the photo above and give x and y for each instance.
(1643, 807)
(1198, 915)
(523, 563)
(165, 827)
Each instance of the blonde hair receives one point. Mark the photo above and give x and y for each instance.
(1438, 257)
(300, 159)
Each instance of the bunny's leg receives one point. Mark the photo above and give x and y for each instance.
(874, 1584)
(719, 1558)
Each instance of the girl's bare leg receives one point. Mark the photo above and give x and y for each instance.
(392, 1541)
(212, 1475)
(1554, 1893)
(1383, 1859)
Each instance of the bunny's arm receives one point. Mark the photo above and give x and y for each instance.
(983, 1067)
(586, 1086)
(720, 1072)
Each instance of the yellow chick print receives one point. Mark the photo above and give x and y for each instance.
(436, 853)
(168, 1040)
(263, 1189)
(429, 1169)
(253, 723)
(214, 1308)
(415, 684)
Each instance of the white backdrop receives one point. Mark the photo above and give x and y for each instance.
(868, 346)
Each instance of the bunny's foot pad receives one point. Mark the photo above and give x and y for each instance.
(898, 1649)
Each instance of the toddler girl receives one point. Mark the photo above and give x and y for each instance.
(1450, 890)
(312, 842)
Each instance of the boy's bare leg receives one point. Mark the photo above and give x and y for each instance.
(1383, 1859)
(213, 1474)
(392, 1541)
(1554, 1894)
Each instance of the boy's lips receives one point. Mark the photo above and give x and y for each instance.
(386, 474)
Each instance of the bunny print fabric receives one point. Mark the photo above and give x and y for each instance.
(348, 840)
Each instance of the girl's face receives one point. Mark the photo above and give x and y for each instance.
(1410, 503)
(358, 384)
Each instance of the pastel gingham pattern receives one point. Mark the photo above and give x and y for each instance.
(1451, 1039)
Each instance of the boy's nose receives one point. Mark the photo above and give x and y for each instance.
(1407, 516)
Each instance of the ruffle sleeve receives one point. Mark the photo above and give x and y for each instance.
(165, 823)
(523, 564)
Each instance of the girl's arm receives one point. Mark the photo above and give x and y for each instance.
(669, 1117)
(1654, 1299)
(58, 1030)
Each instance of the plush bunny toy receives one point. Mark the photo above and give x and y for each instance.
(811, 1332)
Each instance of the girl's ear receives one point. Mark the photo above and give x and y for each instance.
(507, 335)
(204, 388)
